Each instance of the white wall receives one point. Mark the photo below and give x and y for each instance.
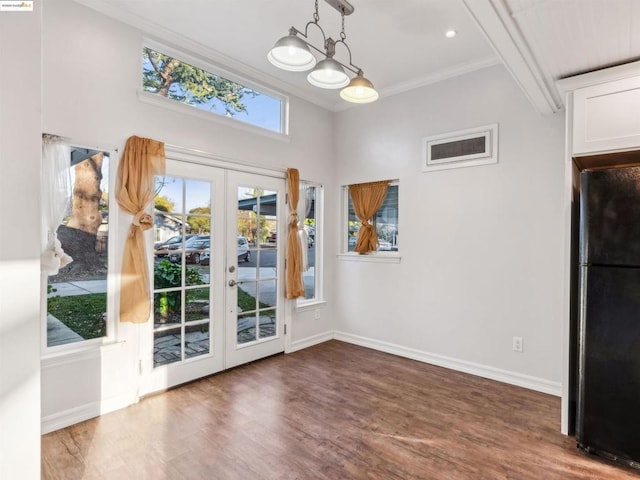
(482, 247)
(20, 147)
(92, 75)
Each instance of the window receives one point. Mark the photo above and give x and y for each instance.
(77, 304)
(166, 76)
(311, 198)
(385, 222)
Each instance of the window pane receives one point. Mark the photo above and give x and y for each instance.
(196, 304)
(267, 293)
(167, 308)
(267, 324)
(207, 91)
(77, 295)
(246, 328)
(168, 195)
(309, 196)
(167, 346)
(182, 313)
(385, 221)
(196, 339)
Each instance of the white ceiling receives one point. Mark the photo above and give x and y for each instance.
(400, 44)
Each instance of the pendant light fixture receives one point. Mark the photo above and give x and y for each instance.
(293, 53)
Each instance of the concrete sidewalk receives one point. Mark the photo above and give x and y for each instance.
(77, 287)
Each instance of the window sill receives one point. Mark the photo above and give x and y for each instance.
(371, 257)
(72, 355)
(310, 305)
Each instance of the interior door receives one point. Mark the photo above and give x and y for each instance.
(185, 340)
(254, 291)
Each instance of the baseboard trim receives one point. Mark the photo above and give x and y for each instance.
(311, 341)
(81, 413)
(505, 376)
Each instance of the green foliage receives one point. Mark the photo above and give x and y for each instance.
(84, 314)
(200, 224)
(163, 204)
(168, 275)
(169, 77)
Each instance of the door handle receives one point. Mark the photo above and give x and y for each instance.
(233, 283)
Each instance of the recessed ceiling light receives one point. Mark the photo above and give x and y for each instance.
(451, 33)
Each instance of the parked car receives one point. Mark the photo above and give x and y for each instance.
(161, 249)
(243, 249)
(194, 249)
(244, 254)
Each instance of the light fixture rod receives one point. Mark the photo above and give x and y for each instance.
(344, 7)
(330, 44)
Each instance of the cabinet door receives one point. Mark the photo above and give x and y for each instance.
(607, 117)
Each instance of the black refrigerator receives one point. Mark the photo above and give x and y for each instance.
(608, 410)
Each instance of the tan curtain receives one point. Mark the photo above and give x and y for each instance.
(294, 287)
(367, 198)
(141, 160)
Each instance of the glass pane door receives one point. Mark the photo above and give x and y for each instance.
(186, 333)
(254, 329)
(182, 270)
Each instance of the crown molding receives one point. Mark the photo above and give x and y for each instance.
(410, 85)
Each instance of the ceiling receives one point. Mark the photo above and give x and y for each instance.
(401, 44)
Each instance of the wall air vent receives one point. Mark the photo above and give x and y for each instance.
(464, 148)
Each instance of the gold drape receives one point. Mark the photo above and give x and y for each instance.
(141, 160)
(294, 287)
(367, 198)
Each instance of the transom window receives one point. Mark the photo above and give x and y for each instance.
(165, 75)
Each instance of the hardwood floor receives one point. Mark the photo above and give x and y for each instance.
(333, 411)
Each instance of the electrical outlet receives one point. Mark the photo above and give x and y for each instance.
(316, 314)
(517, 344)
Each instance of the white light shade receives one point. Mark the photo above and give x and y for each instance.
(328, 74)
(359, 90)
(292, 54)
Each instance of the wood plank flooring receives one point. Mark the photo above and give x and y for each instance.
(333, 411)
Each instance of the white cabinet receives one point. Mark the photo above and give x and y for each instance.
(604, 110)
(607, 117)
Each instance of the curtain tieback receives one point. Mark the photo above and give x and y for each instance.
(142, 220)
(54, 257)
(293, 220)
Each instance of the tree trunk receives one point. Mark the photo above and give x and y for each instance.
(167, 77)
(79, 236)
(85, 210)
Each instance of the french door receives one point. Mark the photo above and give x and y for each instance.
(217, 298)
(255, 328)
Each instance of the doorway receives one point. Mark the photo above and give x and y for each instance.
(215, 275)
